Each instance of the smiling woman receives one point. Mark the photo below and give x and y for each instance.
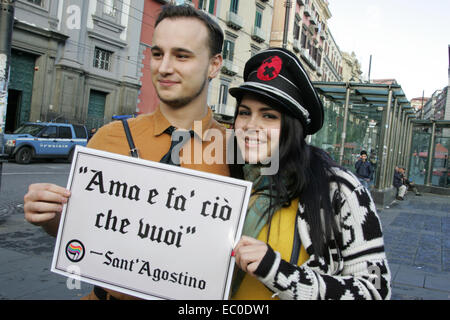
(257, 128)
(311, 230)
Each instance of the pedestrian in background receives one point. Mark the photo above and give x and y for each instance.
(398, 184)
(364, 169)
(410, 185)
(311, 230)
(92, 132)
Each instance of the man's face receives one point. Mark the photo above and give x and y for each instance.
(364, 157)
(181, 62)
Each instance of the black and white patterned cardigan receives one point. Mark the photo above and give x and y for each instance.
(360, 271)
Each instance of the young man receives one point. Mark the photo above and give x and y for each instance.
(364, 170)
(186, 55)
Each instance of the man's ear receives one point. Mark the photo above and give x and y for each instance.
(215, 64)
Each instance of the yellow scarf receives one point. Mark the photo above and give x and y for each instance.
(281, 239)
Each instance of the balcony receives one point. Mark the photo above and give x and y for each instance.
(234, 21)
(258, 35)
(229, 68)
(300, 2)
(304, 53)
(307, 11)
(313, 20)
(323, 35)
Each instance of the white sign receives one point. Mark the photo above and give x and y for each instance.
(151, 230)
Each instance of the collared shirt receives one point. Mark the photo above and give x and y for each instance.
(205, 152)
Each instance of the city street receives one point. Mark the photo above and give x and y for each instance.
(416, 233)
(25, 250)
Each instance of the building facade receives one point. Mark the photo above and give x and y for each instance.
(306, 32)
(74, 61)
(417, 104)
(332, 60)
(247, 26)
(351, 68)
(147, 99)
(435, 108)
(441, 101)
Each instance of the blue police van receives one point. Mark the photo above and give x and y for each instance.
(44, 140)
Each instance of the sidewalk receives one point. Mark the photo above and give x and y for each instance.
(416, 233)
(417, 241)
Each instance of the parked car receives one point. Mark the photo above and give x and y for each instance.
(44, 140)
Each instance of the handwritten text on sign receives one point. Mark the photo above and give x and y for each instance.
(149, 229)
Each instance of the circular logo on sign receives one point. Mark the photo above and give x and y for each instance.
(75, 251)
(270, 68)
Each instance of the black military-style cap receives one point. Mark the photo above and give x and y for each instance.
(277, 75)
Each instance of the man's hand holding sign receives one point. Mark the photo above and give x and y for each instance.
(149, 229)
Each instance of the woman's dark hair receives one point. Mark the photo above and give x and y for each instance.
(187, 11)
(305, 172)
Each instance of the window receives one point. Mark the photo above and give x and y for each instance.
(109, 8)
(65, 133)
(254, 50)
(102, 59)
(319, 58)
(234, 6)
(39, 3)
(49, 132)
(258, 19)
(228, 50)
(313, 52)
(303, 40)
(203, 4)
(296, 31)
(211, 6)
(223, 96)
(80, 131)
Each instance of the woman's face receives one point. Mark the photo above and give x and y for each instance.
(257, 128)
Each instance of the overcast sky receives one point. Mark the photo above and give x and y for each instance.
(408, 40)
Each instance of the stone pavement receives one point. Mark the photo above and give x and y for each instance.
(417, 241)
(25, 259)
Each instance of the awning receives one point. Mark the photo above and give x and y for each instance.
(367, 100)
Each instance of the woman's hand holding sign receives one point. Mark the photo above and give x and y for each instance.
(43, 205)
(249, 252)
